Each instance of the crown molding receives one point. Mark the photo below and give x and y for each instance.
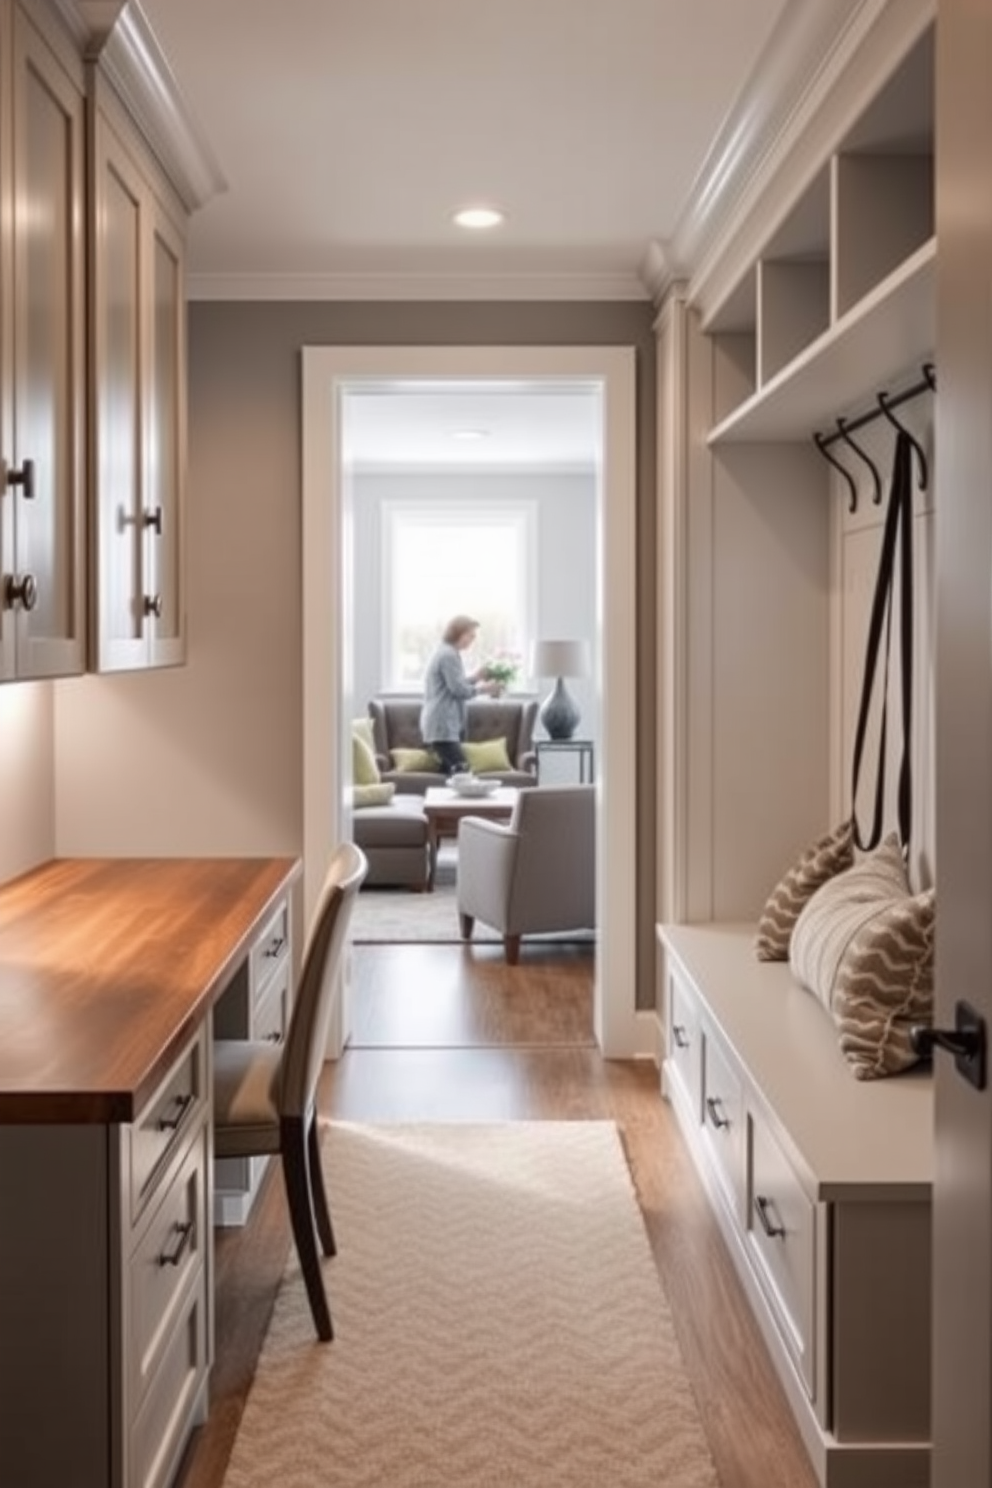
(418, 286)
(119, 39)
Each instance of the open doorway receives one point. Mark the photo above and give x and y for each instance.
(329, 374)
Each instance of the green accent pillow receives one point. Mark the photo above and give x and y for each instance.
(487, 754)
(373, 795)
(364, 770)
(365, 729)
(423, 760)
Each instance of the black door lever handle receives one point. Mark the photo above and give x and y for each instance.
(966, 1041)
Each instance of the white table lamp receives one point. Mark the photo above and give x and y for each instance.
(559, 714)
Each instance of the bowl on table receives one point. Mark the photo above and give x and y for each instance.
(472, 785)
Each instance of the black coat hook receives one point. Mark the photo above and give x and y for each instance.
(930, 376)
(883, 403)
(845, 434)
(821, 441)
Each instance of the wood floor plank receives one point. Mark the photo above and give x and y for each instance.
(754, 1441)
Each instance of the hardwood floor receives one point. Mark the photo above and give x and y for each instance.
(476, 1053)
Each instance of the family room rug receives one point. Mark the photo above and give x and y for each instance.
(397, 916)
(499, 1323)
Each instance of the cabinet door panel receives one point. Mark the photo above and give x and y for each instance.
(117, 429)
(165, 472)
(48, 355)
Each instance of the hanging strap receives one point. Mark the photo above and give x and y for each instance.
(897, 536)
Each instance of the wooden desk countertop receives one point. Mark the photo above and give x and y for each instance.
(107, 965)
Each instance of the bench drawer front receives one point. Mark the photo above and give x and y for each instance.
(161, 1129)
(723, 1121)
(781, 1233)
(684, 1036)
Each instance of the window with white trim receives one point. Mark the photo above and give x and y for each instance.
(444, 560)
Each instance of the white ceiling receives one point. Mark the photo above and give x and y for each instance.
(347, 131)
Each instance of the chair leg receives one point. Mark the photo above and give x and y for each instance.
(467, 924)
(294, 1167)
(511, 945)
(321, 1212)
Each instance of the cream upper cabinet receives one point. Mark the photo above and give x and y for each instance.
(137, 369)
(42, 349)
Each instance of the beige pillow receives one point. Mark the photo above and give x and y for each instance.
(487, 754)
(424, 760)
(365, 729)
(364, 770)
(885, 985)
(863, 945)
(827, 857)
(373, 795)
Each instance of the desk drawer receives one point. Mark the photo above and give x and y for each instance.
(161, 1129)
(270, 1016)
(781, 1234)
(167, 1415)
(270, 953)
(164, 1262)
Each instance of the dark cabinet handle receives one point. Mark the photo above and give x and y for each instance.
(275, 1037)
(715, 1109)
(23, 478)
(763, 1209)
(275, 946)
(22, 590)
(185, 1232)
(153, 605)
(153, 519)
(182, 1104)
(679, 1036)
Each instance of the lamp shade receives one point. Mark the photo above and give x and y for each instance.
(560, 659)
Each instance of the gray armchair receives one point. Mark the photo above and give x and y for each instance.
(536, 875)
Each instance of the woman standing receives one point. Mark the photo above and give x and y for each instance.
(447, 689)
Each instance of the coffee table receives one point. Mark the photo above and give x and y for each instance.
(444, 809)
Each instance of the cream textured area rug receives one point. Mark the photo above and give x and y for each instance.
(397, 916)
(498, 1318)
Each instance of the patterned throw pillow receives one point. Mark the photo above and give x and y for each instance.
(487, 754)
(423, 760)
(863, 945)
(827, 857)
(885, 985)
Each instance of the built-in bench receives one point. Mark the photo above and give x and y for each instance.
(821, 1184)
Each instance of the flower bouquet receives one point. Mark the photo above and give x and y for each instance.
(504, 668)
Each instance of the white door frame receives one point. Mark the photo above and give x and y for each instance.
(329, 372)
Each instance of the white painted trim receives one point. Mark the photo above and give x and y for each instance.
(327, 372)
(442, 285)
(139, 72)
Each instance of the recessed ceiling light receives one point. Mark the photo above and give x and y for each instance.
(470, 434)
(479, 217)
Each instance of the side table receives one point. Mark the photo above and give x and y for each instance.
(581, 748)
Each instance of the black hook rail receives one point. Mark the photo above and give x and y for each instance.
(885, 406)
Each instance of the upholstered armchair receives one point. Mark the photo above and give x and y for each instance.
(396, 730)
(535, 875)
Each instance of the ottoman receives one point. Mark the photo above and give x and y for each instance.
(394, 839)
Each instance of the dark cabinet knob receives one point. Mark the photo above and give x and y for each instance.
(153, 519)
(23, 477)
(21, 589)
(153, 605)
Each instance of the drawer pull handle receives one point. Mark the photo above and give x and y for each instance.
(715, 1109)
(275, 946)
(763, 1208)
(275, 1037)
(185, 1233)
(182, 1104)
(679, 1035)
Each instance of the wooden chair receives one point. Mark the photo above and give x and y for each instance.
(265, 1094)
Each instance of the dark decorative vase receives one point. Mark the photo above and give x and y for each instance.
(559, 716)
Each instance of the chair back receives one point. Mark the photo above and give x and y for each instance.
(553, 883)
(306, 1039)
